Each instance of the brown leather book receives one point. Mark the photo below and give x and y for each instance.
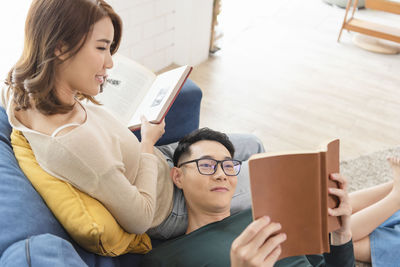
(292, 189)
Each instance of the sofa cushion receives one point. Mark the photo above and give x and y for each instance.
(24, 213)
(87, 221)
(43, 250)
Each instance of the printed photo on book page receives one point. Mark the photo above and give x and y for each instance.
(132, 90)
(160, 95)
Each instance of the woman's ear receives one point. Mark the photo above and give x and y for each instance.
(60, 52)
(177, 176)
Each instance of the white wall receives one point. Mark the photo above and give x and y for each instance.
(156, 33)
(12, 23)
(193, 31)
(149, 30)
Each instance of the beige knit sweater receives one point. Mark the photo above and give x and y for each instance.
(102, 158)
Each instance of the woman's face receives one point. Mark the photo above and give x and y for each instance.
(86, 71)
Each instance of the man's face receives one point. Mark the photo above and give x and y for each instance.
(211, 193)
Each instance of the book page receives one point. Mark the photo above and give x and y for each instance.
(127, 85)
(160, 95)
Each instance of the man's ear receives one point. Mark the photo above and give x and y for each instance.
(60, 52)
(177, 176)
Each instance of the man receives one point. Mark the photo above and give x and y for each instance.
(206, 172)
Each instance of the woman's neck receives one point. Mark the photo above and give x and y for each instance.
(66, 95)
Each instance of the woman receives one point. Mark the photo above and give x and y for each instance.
(372, 207)
(68, 49)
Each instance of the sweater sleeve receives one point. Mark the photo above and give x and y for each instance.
(132, 205)
(340, 256)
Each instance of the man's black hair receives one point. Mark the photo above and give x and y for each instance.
(199, 135)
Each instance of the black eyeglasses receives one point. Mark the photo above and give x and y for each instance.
(231, 167)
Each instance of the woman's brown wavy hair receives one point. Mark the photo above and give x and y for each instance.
(49, 24)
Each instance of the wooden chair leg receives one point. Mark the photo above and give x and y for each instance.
(354, 8)
(345, 18)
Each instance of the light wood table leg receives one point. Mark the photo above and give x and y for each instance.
(345, 19)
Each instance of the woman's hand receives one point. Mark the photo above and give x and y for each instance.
(343, 234)
(150, 133)
(258, 244)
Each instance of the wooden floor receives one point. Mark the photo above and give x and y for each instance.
(281, 75)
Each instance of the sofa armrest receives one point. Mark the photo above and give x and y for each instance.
(44, 250)
(183, 116)
(24, 213)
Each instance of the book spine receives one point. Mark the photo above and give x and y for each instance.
(333, 166)
(324, 202)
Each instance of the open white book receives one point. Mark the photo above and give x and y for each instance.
(132, 90)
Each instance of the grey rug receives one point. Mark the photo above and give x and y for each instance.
(367, 171)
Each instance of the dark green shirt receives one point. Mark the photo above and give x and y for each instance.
(210, 246)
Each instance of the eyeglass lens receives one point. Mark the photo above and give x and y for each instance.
(209, 166)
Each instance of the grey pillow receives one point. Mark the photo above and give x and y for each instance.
(343, 3)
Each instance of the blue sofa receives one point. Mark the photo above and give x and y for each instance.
(29, 233)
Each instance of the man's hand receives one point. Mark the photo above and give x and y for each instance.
(258, 244)
(342, 235)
